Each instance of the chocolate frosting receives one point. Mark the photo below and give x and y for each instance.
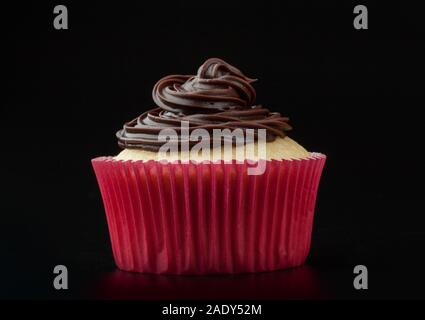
(218, 97)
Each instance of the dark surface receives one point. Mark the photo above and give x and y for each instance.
(354, 95)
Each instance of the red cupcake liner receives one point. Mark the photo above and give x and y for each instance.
(202, 218)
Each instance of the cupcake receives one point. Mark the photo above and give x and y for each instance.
(208, 181)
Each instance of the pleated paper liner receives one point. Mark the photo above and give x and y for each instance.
(204, 218)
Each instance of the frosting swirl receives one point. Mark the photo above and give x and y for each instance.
(219, 96)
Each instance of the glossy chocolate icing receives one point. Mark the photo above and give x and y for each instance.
(219, 96)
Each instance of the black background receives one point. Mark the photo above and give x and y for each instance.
(355, 95)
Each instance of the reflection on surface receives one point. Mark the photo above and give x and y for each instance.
(297, 283)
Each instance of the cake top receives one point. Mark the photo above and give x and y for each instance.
(219, 96)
